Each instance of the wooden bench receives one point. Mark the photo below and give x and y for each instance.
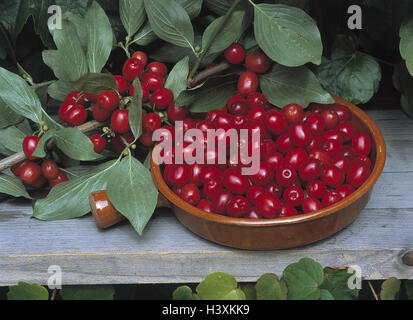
(168, 253)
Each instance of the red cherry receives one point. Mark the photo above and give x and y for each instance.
(284, 143)
(253, 213)
(274, 189)
(141, 56)
(220, 202)
(99, 143)
(321, 155)
(361, 143)
(64, 109)
(121, 84)
(30, 172)
(366, 160)
(256, 100)
(77, 115)
(330, 198)
(315, 123)
(209, 173)
(315, 143)
(300, 134)
(162, 98)
(177, 191)
(40, 182)
(294, 113)
(100, 114)
(268, 205)
(347, 130)
(212, 187)
(61, 177)
(76, 97)
(274, 160)
(310, 170)
(311, 205)
(343, 112)
(345, 190)
(331, 118)
(296, 157)
(342, 163)
(119, 121)
(267, 147)
(235, 53)
(287, 211)
(333, 135)
(50, 170)
(238, 207)
(286, 175)
(211, 115)
(293, 196)
(157, 68)
(238, 107)
(316, 189)
(253, 192)
(358, 173)
(240, 122)
(176, 114)
(145, 91)
(179, 175)
(332, 176)
(153, 81)
(247, 83)
(257, 62)
(132, 69)
(234, 98)
(223, 121)
(234, 181)
(276, 122)
(264, 175)
(17, 168)
(152, 122)
(191, 194)
(349, 152)
(332, 147)
(256, 113)
(205, 205)
(29, 146)
(108, 100)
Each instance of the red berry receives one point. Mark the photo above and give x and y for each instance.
(284, 143)
(274, 189)
(316, 189)
(223, 121)
(253, 213)
(300, 134)
(30, 173)
(64, 109)
(247, 83)
(343, 112)
(330, 198)
(176, 114)
(358, 173)
(333, 135)
(234, 98)
(100, 114)
(276, 122)
(294, 113)
(264, 175)
(256, 113)
(296, 157)
(234, 181)
(345, 190)
(119, 121)
(179, 175)
(287, 211)
(77, 115)
(274, 160)
(158, 68)
(235, 53)
(332, 176)
(191, 194)
(141, 56)
(342, 163)
(321, 155)
(152, 122)
(220, 202)
(311, 205)
(212, 187)
(121, 84)
(61, 177)
(268, 205)
(257, 62)
(361, 143)
(99, 143)
(332, 147)
(293, 196)
(76, 97)
(238, 207)
(108, 100)
(162, 98)
(210, 173)
(310, 170)
(132, 69)
(50, 170)
(347, 130)
(40, 182)
(29, 146)
(153, 81)
(238, 107)
(256, 99)
(17, 168)
(315, 123)
(205, 205)
(331, 118)
(253, 192)
(286, 175)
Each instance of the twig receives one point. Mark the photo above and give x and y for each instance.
(20, 156)
(207, 73)
(372, 290)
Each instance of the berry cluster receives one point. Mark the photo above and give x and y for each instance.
(308, 160)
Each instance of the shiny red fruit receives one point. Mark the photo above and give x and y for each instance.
(296, 157)
(345, 190)
(274, 189)
(264, 175)
(238, 107)
(50, 170)
(238, 207)
(300, 134)
(162, 98)
(76, 97)
(358, 173)
(191, 194)
(29, 146)
(152, 122)
(30, 173)
(141, 56)
(145, 91)
(330, 198)
(331, 118)
(347, 130)
(100, 114)
(157, 68)
(220, 202)
(253, 192)
(99, 143)
(293, 112)
(209, 173)
(119, 121)
(64, 109)
(361, 143)
(61, 177)
(274, 160)
(316, 189)
(234, 181)
(235, 53)
(179, 175)
(77, 115)
(256, 113)
(342, 163)
(268, 205)
(17, 168)
(176, 114)
(132, 69)
(287, 211)
(343, 112)
(253, 213)
(311, 169)
(205, 205)
(311, 205)
(121, 84)
(247, 83)
(276, 122)
(293, 196)
(256, 99)
(332, 176)
(153, 81)
(332, 147)
(257, 62)
(212, 187)
(321, 155)
(284, 143)
(316, 123)
(286, 175)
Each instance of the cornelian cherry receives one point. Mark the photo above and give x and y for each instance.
(191, 194)
(121, 84)
(30, 172)
(29, 146)
(257, 62)
(234, 181)
(141, 56)
(247, 83)
(132, 69)
(311, 205)
(108, 100)
(157, 68)
(61, 177)
(238, 207)
(50, 170)
(119, 121)
(99, 143)
(162, 98)
(293, 112)
(235, 53)
(316, 189)
(76, 115)
(268, 205)
(293, 196)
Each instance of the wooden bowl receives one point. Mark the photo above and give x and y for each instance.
(279, 233)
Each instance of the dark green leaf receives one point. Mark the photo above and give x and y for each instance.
(145, 36)
(336, 282)
(326, 295)
(390, 289)
(27, 291)
(303, 280)
(52, 59)
(184, 293)
(12, 186)
(40, 151)
(139, 205)
(192, 7)
(406, 43)
(283, 85)
(287, 34)
(77, 171)
(75, 144)
(409, 289)
(7, 116)
(78, 7)
(228, 34)
(249, 291)
(87, 292)
(12, 138)
(95, 83)
(132, 14)
(177, 78)
(70, 199)
(403, 82)
(269, 287)
(80, 25)
(99, 39)
(170, 22)
(135, 111)
(219, 286)
(60, 89)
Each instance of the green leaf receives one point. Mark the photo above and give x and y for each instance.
(336, 282)
(99, 39)
(192, 7)
(403, 82)
(13, 187)
(170, 22)
(77, 7)
(132, 14)
(12, 138)
(409, 289)
(406, 43)
(71, 55)
(219, 286)
(70, 199)
(147, 162)
(7, 116)
(352, 75)
(135, 111)
(326, 295)
(78, 171)
(303, 280)
(60, 89)
(269, 287)
(283, 85)
(27, 291)
(88, 292)
(19, 97)
(145, 35)
(177, 78)
(184, 293)
(139, 205)
(288, 35)
(95, 83)
(229, 33)
(40, 151)
(390, 289)
(52, 59)
(249, 291)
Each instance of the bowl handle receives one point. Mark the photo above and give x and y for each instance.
(105, 214)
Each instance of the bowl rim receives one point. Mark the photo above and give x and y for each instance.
(244, 222)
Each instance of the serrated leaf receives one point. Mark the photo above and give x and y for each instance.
(336, 282)
(12, 138)
(249, 291)
(139, 205)
(27, 291)
(269, 287)
(13, 186)
(95, 83)
(287, 35)
(145, 36)
(217, 286)
(135, 111)
(303, 280)
(406, 43)
(283, 85)
(390, 289)
(132, 14)
(184, 293)
(177, 78)
(102, 292)
(70, 199)
(230, 32)
(170, 22)
(99, 39)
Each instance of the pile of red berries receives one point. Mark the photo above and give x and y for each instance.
(308, 160)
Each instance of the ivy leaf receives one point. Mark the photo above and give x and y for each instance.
(170, 22)
(132, 14)
(303, 280)
(95, 83)
(27, 291)
(184, 293)
(229, 33)
(103, 292)
(99, 39)
(406, 43)
(283, 85)
(145, 35)
(177, 78)
(139, 205)
(336, 282)
(287, 35)
(249, 291)
(269, 287)
(70, 199)
(350, 74)
(135, 111)
(12, 138)
(390, 289)
(219, 286)
(71, 55)
(13, 187)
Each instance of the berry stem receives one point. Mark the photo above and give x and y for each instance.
(207, 73)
